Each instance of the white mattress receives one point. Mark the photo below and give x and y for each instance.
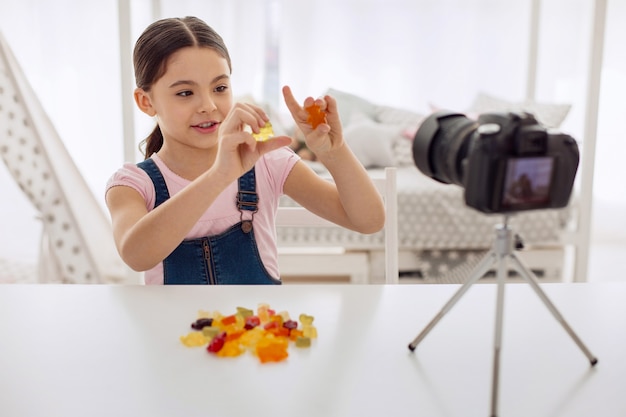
(434, 216)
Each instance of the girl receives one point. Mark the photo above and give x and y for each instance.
(200, 208)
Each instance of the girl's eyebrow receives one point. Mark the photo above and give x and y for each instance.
(183, 82)
(193, 83)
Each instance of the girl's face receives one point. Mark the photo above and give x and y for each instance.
(191, 99)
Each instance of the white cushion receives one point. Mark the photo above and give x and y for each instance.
(548, 114)
(371, 142)
(350, 105)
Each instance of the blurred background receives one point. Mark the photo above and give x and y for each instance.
(413, 54)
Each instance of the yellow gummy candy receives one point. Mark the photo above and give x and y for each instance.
(210, 332)
(202, 314)
(309, 331)
(306, 319)
(194, 339)
(230, 349)
(252, 337)
(265, 133)
(303, 342)
(244, 312)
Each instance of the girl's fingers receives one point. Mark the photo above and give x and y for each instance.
(300, 114)
(244, 114)
(273, 144)
(260, 117)
(292, 104)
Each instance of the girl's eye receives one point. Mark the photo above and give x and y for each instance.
(221, 88)
(184, 93)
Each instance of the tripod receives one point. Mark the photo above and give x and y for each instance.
(501, 250)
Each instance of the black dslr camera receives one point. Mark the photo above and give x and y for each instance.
(506, 162)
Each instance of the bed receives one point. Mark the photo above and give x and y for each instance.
(440, 238)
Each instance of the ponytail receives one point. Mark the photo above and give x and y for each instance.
(152, 143)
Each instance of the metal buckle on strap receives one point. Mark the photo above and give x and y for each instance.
(247, 200)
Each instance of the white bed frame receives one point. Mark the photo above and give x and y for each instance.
(579, 236)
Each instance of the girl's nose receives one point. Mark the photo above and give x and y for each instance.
(207, 105)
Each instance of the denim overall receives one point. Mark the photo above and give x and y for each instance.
(229, 258)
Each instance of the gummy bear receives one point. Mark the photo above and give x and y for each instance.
(201, 323)
(231, 349)
(194, 339)
(263, 312)
(309, 331)
(316, 115)
(252, 322)
(306, 319)
(251, 338)
(203, 314)
(265, 133)
(279, 331)
(303, 342)
(267, 334)
(290, 324)
(234, 335)
(294, 334)
(217, 343)
(272, 349)
(210, 332)
(229, 320)
(244, 312)
(271, 325)
(277, 318)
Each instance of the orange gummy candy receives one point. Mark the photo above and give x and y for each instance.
(230, 349)
(316, 115)
(272, 350)
(229, 320)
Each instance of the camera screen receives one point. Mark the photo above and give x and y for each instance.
(527, 182)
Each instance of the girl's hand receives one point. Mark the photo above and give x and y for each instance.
(238, 151)
(327, 137)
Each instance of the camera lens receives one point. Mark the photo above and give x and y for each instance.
(441, 144)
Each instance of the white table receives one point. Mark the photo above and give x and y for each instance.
(115, 351)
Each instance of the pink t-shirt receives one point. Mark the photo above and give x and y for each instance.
(272, 170)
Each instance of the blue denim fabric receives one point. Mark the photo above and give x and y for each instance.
(230, 258)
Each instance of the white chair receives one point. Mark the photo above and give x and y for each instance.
(335, 261)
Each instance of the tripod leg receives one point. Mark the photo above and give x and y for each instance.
(532, 280)
(497, 343)
(477, 273)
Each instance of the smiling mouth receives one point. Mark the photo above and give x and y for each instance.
(206, 125)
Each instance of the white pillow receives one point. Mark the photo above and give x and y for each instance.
(548, 114)
(351, 106)
(372, 142)
(408, 121)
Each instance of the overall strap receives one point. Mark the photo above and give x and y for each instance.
(247, 197)
(160, 188)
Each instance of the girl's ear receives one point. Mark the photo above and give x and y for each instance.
(142, 98)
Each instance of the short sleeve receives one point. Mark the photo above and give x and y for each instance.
(130, 175)
(278, 165)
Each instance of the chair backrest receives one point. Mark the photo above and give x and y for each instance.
(296, 216)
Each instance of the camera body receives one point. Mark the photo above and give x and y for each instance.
(506, 162)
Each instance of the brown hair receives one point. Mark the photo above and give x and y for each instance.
(153, 48)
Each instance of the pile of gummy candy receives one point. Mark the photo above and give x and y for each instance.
(266, 334)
